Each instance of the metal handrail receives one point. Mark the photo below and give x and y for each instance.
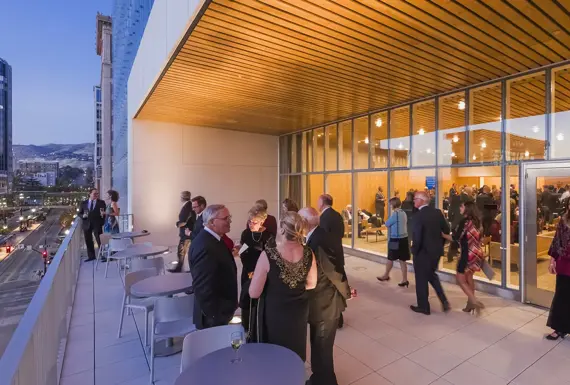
(34, 354)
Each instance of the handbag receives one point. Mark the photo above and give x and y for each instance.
(394, 244)
(487, 270)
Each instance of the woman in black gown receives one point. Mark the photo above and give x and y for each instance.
(284, 272)
(255, 237)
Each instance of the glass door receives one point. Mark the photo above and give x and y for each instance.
(538, 213)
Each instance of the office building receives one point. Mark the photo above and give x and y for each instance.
(28, 167)
(353, 99)
(97, 150)
(104, 41)
(129, 22)
(6, 156)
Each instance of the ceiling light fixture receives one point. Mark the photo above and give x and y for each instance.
(366, 140)
(461, 105)
(455, 138)
(421, 131)
(400, 146)
(474, 157)
(526, 154)
(483, 145)
(378, 122)
(560, 136)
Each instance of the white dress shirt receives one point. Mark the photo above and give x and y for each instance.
(213, 233)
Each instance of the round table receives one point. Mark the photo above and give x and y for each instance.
(140, 250)
(261, 364)
(161, 286)
(130, 234)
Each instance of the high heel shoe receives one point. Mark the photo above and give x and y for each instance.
(555, 335)
(469, 308)
(383, 279)
(404, 284)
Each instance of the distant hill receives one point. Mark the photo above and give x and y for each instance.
(75, 155)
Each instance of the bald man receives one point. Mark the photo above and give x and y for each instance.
(326, 301)
(427, 248)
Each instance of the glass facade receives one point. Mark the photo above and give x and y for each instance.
(129, 21)
(459, 146)
(6, 161)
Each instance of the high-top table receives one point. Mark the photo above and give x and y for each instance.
(260, 364)
(130, 234)
(140, 250)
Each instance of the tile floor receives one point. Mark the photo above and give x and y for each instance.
(382, 342)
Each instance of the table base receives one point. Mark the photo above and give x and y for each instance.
(168, 347)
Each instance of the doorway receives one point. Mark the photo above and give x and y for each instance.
(543, 185)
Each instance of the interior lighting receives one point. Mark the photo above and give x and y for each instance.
(236, 319)
(453, 155)
(428, 150)
(378, 122)
(461, 105)
(526, 154)
(535, 129)
(455, 138)
(366, 140)
(400, 146)
(483, 145)
(560, 136)
(421, 131)
(474, 157)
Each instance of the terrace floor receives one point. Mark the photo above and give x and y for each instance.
(382, 342)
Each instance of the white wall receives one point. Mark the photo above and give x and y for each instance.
(228, 167)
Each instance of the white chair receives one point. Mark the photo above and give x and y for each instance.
(140, 263)
(202, 342)
(103, 248)
(172, 317)
(146, 304)
(116, 245)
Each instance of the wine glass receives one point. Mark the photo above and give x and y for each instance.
(236, 340)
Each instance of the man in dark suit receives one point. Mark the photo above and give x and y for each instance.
(185, 223)
(199, 204)
(333, 224)
(92, 211)
(427, 248)
(214, 271)
(326, 302)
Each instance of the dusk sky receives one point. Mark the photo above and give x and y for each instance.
(50, 45)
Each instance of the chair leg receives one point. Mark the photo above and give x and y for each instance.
(107, 268)
(122, 315)
(146, 313)
(152, 354)
(98, 258)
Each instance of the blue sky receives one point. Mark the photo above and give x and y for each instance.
(50, 45)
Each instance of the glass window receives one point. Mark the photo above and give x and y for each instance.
(339, 186)
(314, 187)
(451, 133)
(481, 185)
(291, 188)
(423, 145)
(319, 149)
(285, 154)
(400, 137)
(379, 140)
(511, 215)
(332, 146)
(345, 145)
(373, 211)
(485, 124)
(307, 165)
(526, 108)
(361, 143)
(296, 152)
(560, 136)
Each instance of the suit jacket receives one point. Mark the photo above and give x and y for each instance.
(331, 221)
(328, 300)
(427, 244)
(198, 227)
(214, 275)
(94, 220)
(186, 219)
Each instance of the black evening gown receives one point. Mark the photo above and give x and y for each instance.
(286, 310)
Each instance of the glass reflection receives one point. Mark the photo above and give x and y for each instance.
(319, 149)
(451, 134)
(345, 145)
(339, 187)
(332, 148)
(371, 200)
(361, 143)
(400, 137)
(560, 136)
(379, 143)
(485, 124)
(423, 145)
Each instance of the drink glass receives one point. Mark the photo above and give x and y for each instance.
(236, 340)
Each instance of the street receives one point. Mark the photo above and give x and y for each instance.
(18, 275)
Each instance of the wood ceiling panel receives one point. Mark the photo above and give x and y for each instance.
(277, 66)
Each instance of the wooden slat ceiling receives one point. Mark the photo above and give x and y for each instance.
(277, 66)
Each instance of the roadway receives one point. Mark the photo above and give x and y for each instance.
(18, 275)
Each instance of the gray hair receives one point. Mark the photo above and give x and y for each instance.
(423, 196)
(211, 212)
(311, 216)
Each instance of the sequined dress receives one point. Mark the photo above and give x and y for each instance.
(286, 301)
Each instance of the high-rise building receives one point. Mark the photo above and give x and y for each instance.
(98, 138)
(6, 163)
(104, 41)
(129, 22)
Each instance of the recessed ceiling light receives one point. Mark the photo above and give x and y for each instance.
(400, 146)
(474, 157)
(455, 138)
(421, 131)
(461, 105)
(483, 145)
(378, 122)
(560, 136)
(526, 153)
(535, 129)
(366, 140)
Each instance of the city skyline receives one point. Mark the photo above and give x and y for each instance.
(51, 48)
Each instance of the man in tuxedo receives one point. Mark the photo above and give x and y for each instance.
(427, 248)
(326, 302)
(92, 211)
(199, 204)
(214, 271)
(333, 224)
(186, 219)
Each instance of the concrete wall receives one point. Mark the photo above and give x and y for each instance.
(228, 167)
